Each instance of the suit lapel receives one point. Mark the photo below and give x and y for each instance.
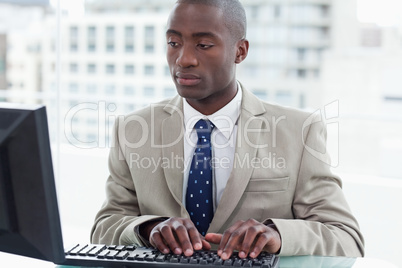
(246, 150)
(173, 150)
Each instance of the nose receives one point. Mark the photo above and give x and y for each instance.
(187, 57)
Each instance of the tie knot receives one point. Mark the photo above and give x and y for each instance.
(204, 129)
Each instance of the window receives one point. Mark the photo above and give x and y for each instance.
(91, 68)
(91, 47)
(110, 32)
(301, 54)
(129, 48)
(92, 88)
(130, 108)
(283, 97)
(110, 69)
(129, 90)
(149, 91)
(73, 88)
(129, 39)
(149, 39)
(110, 89)
(110, 47)
(91, 39)
(91, 32)
(261, 94)
(167, 71)
(110, 37)
(73, 32)
(169, 92)
(149, 70)
(277, 11)
(301, 73)
(129, 69)
(73, 46)
(73, 39)
(73, 68)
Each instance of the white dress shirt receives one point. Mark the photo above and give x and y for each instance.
(223, 140)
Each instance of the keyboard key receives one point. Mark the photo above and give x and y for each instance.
(248, 263)
(86, 250)
(103, 254)
(122, 255)
(95, 250)
(71, 248)
(238, 263)
(193, 260)
(120, 248)
(161, 258)
(77, 250)
(228, 262)
(112, 254)
(218, 262)
(203, 262)
(184, 260)
(131, 256)
(150, 257)
(174, 260)
(130, 247)
(140, 257)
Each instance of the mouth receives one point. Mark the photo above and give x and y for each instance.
(187, 79)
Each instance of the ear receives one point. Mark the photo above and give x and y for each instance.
(242, 50)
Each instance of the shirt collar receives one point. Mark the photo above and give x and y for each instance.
(224, 119)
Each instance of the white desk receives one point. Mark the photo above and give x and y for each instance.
(15, 261)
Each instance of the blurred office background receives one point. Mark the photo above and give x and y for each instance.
(91, 61)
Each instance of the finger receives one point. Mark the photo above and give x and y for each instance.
(195, 237)
(181, 233)
(260, 243)
(226, 236)
(205, 245)
(252, 234)
(274, 242)
(167, 234)
(213, 238)
(233, 243)
(156, 241)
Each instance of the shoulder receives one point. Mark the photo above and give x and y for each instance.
(259, 108)
(155, 112)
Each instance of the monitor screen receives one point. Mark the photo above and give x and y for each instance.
(29, 217)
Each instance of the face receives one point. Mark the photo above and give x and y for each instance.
(202, 56)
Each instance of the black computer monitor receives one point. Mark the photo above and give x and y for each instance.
(29, 217)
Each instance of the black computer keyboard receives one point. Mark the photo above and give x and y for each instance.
(131, 256)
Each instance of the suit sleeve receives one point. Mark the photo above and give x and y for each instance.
(323, 223)
(120, 214)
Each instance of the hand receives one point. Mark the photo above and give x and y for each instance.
(178, 235)
(248, 237)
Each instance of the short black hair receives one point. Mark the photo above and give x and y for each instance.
(233, 12)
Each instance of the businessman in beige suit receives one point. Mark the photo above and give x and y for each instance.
(272, 189)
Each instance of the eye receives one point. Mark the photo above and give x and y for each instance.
(204, 46)
(173, 44)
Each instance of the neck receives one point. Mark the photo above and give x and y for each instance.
(213, 103)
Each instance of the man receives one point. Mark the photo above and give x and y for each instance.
(259, 187)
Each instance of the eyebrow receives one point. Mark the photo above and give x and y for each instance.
(199, 34)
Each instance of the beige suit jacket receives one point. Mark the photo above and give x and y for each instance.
(281, 173)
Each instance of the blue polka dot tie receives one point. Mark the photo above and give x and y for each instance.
(199, 190)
